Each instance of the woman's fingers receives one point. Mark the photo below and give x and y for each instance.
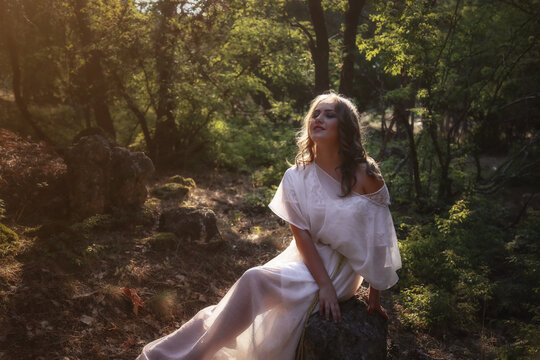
(336, 312)
(327, 308)
(327, 311)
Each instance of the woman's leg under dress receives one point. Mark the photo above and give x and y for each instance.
(257, 290)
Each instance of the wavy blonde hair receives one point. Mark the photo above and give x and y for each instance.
(351, 150)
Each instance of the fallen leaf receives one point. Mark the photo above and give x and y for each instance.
(132, 296)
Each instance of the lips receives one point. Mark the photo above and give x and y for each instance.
(318, 127)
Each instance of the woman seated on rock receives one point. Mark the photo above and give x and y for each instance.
(336, 202)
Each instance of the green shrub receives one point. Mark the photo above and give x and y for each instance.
(426, 307)
(9, 241)
(446, 271)
(260, 197)
(2, 209)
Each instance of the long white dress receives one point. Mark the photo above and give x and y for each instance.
(262, 315)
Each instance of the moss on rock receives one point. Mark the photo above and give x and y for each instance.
(171, 191)
(178, 179)
(164, 241)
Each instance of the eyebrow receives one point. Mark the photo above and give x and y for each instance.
(324, 110)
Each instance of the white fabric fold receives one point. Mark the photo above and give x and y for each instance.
(358, 226)
(261, 316)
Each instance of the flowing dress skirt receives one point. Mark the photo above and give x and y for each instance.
(260, 317)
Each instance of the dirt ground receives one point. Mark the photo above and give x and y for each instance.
(78, 298)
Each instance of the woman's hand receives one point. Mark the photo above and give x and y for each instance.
(328, 302)
(374, 302)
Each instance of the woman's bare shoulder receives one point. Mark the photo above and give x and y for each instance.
(368, 183)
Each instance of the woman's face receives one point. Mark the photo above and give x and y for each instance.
(323, 124)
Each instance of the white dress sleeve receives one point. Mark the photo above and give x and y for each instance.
(370, 244)
(285, 202)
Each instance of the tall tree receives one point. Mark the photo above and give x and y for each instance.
(352, 16)
(319, 48)
(8, 12)
(96, 81)
(166, 133)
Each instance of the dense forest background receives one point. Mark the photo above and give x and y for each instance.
(450, 100)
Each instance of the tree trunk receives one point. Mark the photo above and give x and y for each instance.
(402, 117)
(349, 46)
(93, 71)
(320, 51)
(139, 114)
(166, 133)
(444, 160)
(11, 46)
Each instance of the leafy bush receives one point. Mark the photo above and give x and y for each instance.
(426, 307)
(260, 197)
(8, 241)
(446, 271)
(2, 209)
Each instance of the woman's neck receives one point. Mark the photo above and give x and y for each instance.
(328, 160)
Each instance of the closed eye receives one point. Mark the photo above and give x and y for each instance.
(329, 113)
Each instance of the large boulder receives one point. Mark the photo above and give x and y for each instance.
(95, 176)
(190, 224)
(32, 179)
(102, 176)
(359, 336)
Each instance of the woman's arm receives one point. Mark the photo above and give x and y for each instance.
(328, 301)
(371, 184)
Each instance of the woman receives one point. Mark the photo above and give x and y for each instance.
(336, 202)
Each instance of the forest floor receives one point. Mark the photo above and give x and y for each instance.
(64, 297)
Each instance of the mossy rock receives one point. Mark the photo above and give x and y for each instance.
(178, 179)
(171, 191)
(164, 241)
(8, 240)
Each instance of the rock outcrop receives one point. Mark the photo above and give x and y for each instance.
(190, 224)
(359, 336)
(102, 176)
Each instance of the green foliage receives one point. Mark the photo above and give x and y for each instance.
(447, 268)
(518, 293)
(9, 241)
(260, 197)
(256, 144)
(469, 264)
(426, 307)
(2, 209)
